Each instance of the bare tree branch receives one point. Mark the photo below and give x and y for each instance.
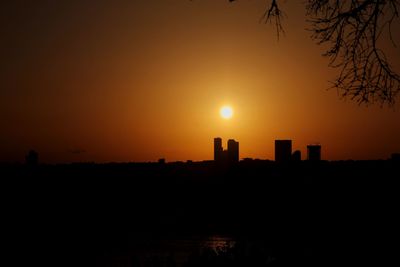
(274, 15)
(352, 30)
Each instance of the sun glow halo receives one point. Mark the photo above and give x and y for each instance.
(226, 112)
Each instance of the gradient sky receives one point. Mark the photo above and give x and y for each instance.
(141, 80)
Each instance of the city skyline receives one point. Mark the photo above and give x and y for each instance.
(283, 150)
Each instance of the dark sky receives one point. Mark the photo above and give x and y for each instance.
(140, 80)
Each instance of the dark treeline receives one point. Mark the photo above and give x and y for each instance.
(321, 213)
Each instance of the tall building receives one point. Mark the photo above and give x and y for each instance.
(314, 152)
(218, 149)
(283, 150)
(231, 155)
(233, 151)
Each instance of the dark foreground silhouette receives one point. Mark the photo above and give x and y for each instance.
(254, 213)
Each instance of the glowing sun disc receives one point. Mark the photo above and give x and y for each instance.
(226, 112)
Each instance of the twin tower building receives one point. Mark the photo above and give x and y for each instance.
(283, 151)
(231, 155)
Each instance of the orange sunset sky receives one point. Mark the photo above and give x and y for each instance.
(140, 80)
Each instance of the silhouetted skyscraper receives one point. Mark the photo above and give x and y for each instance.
(314, 152)
(283, 150)
(218, 149)
(231, 155)
(233, 151)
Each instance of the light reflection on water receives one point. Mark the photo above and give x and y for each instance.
(189, 251)
(218, 242)
(179, 250)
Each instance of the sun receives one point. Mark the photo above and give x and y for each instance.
(226, 112)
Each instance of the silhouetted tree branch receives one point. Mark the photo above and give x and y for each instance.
(274, 15)
(352, 30)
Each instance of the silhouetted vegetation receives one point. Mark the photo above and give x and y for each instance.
(352, 30)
